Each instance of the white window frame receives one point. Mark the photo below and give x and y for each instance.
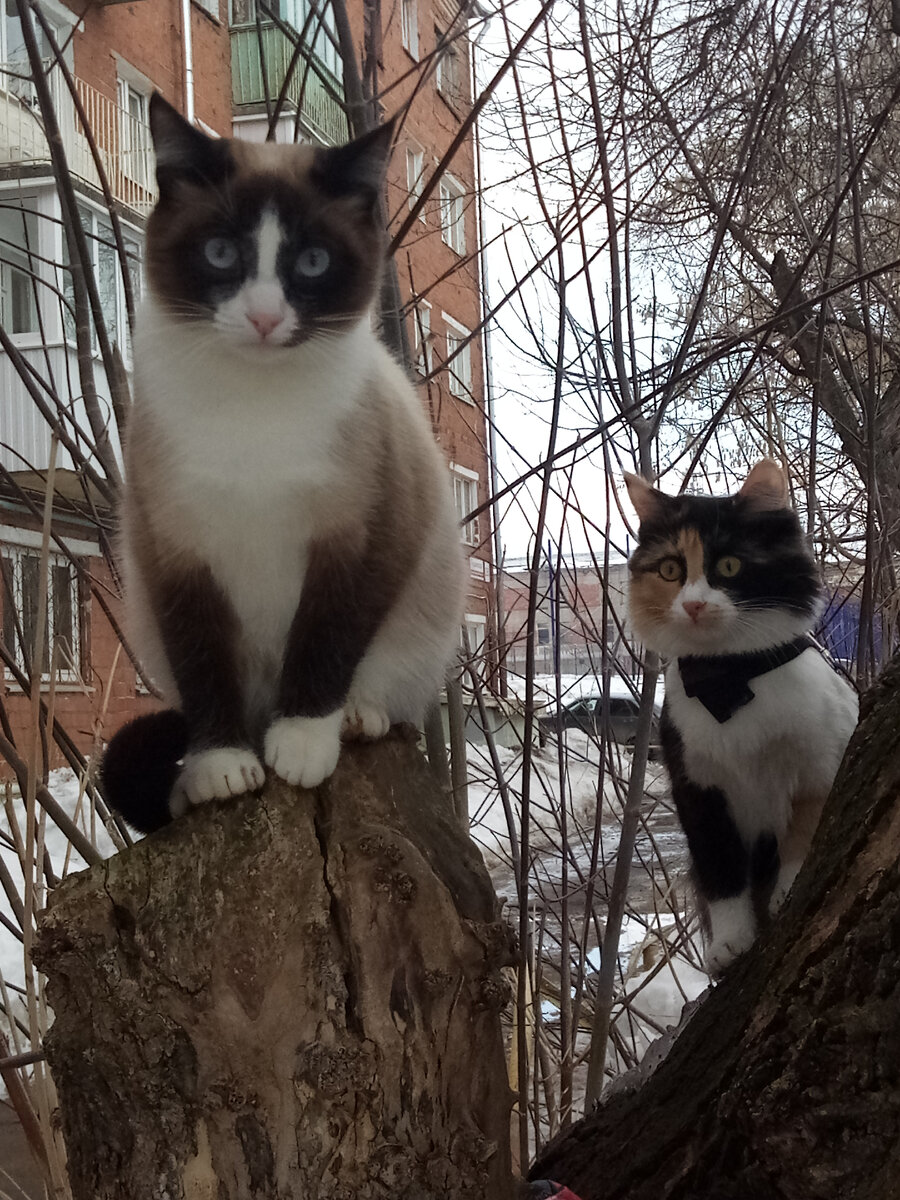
(409, 27)
(475, 623)
(97, 241)
(453, 213)
(415, 175)
(15, 547)
(135, 143)
(30, 262)
(465, 498)
(423, 345)
(459, 358)
(448, 83)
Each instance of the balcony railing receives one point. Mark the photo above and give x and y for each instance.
(320, 111)
(122, 139)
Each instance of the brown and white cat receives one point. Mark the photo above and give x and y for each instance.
(755, 720)
(291, 554)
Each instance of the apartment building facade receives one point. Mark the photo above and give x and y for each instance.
(220, 62)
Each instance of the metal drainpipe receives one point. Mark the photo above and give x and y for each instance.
(489, 392)
(188, 61)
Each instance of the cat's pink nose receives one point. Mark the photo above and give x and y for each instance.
(693, 608)
(264, 322)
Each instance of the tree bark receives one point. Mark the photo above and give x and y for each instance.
(786, 1083)
(295, 994)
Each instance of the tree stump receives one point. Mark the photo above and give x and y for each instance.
(295, 994)
(785, 1085)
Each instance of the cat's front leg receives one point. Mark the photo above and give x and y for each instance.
(304, 750)
(215, 774)
(732, 931)
(199, 630)
(346, 595)
(721, 867)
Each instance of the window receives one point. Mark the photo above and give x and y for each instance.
(108, 274)
(20, 569)
(453, 229)
(448, 70)
(465, 498)
(423, 351)
(415, 169)
(18, 236)
(409, 26)
(135, 153)
(211, 6)
(475, 632)
(459, 359)
(543, 632)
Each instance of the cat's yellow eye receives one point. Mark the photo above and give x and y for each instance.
(671, 569)
(728, 566)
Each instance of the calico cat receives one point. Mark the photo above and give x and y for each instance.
(755, 721)
(292, 561)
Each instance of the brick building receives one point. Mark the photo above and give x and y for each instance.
(581, 603)
(215, 60)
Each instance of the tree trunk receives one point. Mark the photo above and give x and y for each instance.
(295, 994)
(786, 1083)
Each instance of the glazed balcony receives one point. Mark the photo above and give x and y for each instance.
(260, 59)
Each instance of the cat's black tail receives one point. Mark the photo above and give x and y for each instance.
(141, 765)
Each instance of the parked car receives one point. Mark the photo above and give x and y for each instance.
(587, 714)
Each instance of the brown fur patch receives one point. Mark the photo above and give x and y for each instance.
(805, 813)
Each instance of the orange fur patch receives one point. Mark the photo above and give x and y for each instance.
(690, 547)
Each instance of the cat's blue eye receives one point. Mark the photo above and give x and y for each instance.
(313, 261)
(221, 253)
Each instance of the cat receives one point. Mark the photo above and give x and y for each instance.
(755, 720)
(291, 555)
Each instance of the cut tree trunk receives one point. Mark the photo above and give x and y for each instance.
(785, 1085)
(289, 995)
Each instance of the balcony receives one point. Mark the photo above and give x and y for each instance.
(122, 139)
(320, 111)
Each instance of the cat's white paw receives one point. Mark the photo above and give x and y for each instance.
(733, 931)
(364, 720)
(215, 775)
(304, 750)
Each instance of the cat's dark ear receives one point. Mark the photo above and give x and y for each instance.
(183, 152)
(647, 501)
(766, 487)
(357, 170)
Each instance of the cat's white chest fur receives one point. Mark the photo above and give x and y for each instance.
(249, 455)
(787, 741)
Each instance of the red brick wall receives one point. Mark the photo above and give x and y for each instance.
(110, 697)
(427, 267)
(148, 34)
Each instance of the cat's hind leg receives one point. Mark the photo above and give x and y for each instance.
(364, 720)
(794, 845)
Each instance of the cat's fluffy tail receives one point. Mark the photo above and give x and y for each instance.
(141, 765)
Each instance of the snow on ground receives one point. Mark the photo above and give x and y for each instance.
(656, 986)
(65, 788)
